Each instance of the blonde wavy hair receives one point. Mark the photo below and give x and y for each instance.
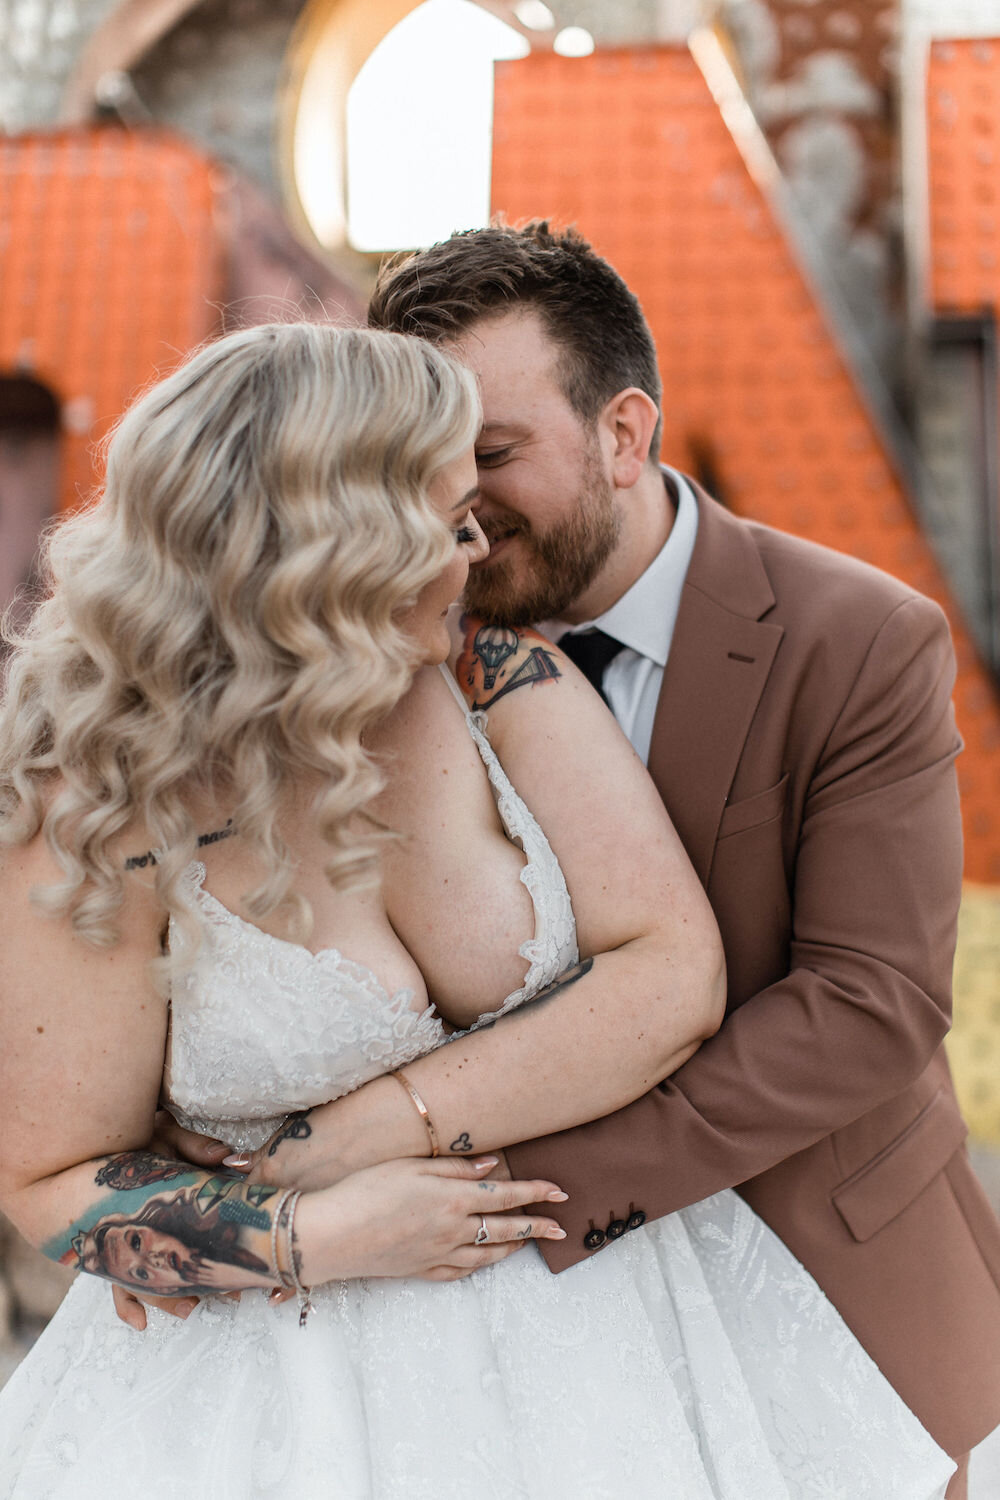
(224, 621)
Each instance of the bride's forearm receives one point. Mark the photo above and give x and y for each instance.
(163, 1229)
(601, 1036)
(155, 1225)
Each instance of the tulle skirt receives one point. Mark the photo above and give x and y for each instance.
(693, 1359)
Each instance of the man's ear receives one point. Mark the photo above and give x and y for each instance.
(627, 423)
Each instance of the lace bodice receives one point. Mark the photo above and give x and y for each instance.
(261, 1027)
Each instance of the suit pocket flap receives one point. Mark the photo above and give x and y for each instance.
(887, 1184)
(749, 811)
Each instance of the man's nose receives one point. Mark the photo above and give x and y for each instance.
(489, 486)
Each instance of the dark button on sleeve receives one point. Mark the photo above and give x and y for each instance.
(615, 1229)
(635, 1219)
(593, 1239)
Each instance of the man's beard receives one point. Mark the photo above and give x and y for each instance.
(555, 567)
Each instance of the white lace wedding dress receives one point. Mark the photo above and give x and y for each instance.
(693, 1359)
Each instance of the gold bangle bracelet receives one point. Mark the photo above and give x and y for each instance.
(405, 1083)
(276, 1271)
(302, 1292)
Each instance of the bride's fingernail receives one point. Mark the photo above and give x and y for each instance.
(555, 1234)
(237, 1159)
(557, 1197)
(486, 1163)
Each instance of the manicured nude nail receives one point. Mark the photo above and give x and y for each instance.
(486, 1163)
(238, 1159)
(557, 1197)
(555, 1234)
(215, 1148)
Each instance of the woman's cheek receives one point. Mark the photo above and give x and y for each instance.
(459, 577)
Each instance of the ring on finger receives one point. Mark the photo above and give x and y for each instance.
(482, 1233)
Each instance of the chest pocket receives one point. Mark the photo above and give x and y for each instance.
(751, 812)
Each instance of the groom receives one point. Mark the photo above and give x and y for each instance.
(793, 707)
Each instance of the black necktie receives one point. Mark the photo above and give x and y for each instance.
(592, 651)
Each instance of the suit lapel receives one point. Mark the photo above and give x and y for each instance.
(719, 662)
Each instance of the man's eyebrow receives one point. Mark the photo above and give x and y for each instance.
(467, 500)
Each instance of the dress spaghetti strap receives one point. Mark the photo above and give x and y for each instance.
(456, 691)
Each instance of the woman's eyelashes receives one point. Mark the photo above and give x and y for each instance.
(469, 533)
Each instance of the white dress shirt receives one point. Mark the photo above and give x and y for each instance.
(643, 620)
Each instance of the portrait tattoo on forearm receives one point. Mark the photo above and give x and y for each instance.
(295, 1128)
(495, 661)
(170, 1229)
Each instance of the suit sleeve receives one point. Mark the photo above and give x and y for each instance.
(867, 999)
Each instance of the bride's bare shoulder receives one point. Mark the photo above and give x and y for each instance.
(426, 709)
(32, 876)
(32, 835)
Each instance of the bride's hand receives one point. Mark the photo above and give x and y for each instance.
(419, 1218)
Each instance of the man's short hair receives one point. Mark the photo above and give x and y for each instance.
(586, 307)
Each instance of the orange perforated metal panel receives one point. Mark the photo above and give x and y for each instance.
(111, 269)
(963, 165)
(630, 145)
(963, 276)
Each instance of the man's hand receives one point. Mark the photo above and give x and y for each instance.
(171, 1139)
(132, 1309)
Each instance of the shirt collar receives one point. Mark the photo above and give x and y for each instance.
(643, 618)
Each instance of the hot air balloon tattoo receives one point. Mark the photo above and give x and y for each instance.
(495, 645)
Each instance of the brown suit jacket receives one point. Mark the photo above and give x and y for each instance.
(804, 745)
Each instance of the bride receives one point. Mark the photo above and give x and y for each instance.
(256, 857)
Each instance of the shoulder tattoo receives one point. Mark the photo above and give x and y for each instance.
(497, 659)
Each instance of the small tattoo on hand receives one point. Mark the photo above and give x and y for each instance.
(295, 1128)
(525, 1233)
(461, 1143)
